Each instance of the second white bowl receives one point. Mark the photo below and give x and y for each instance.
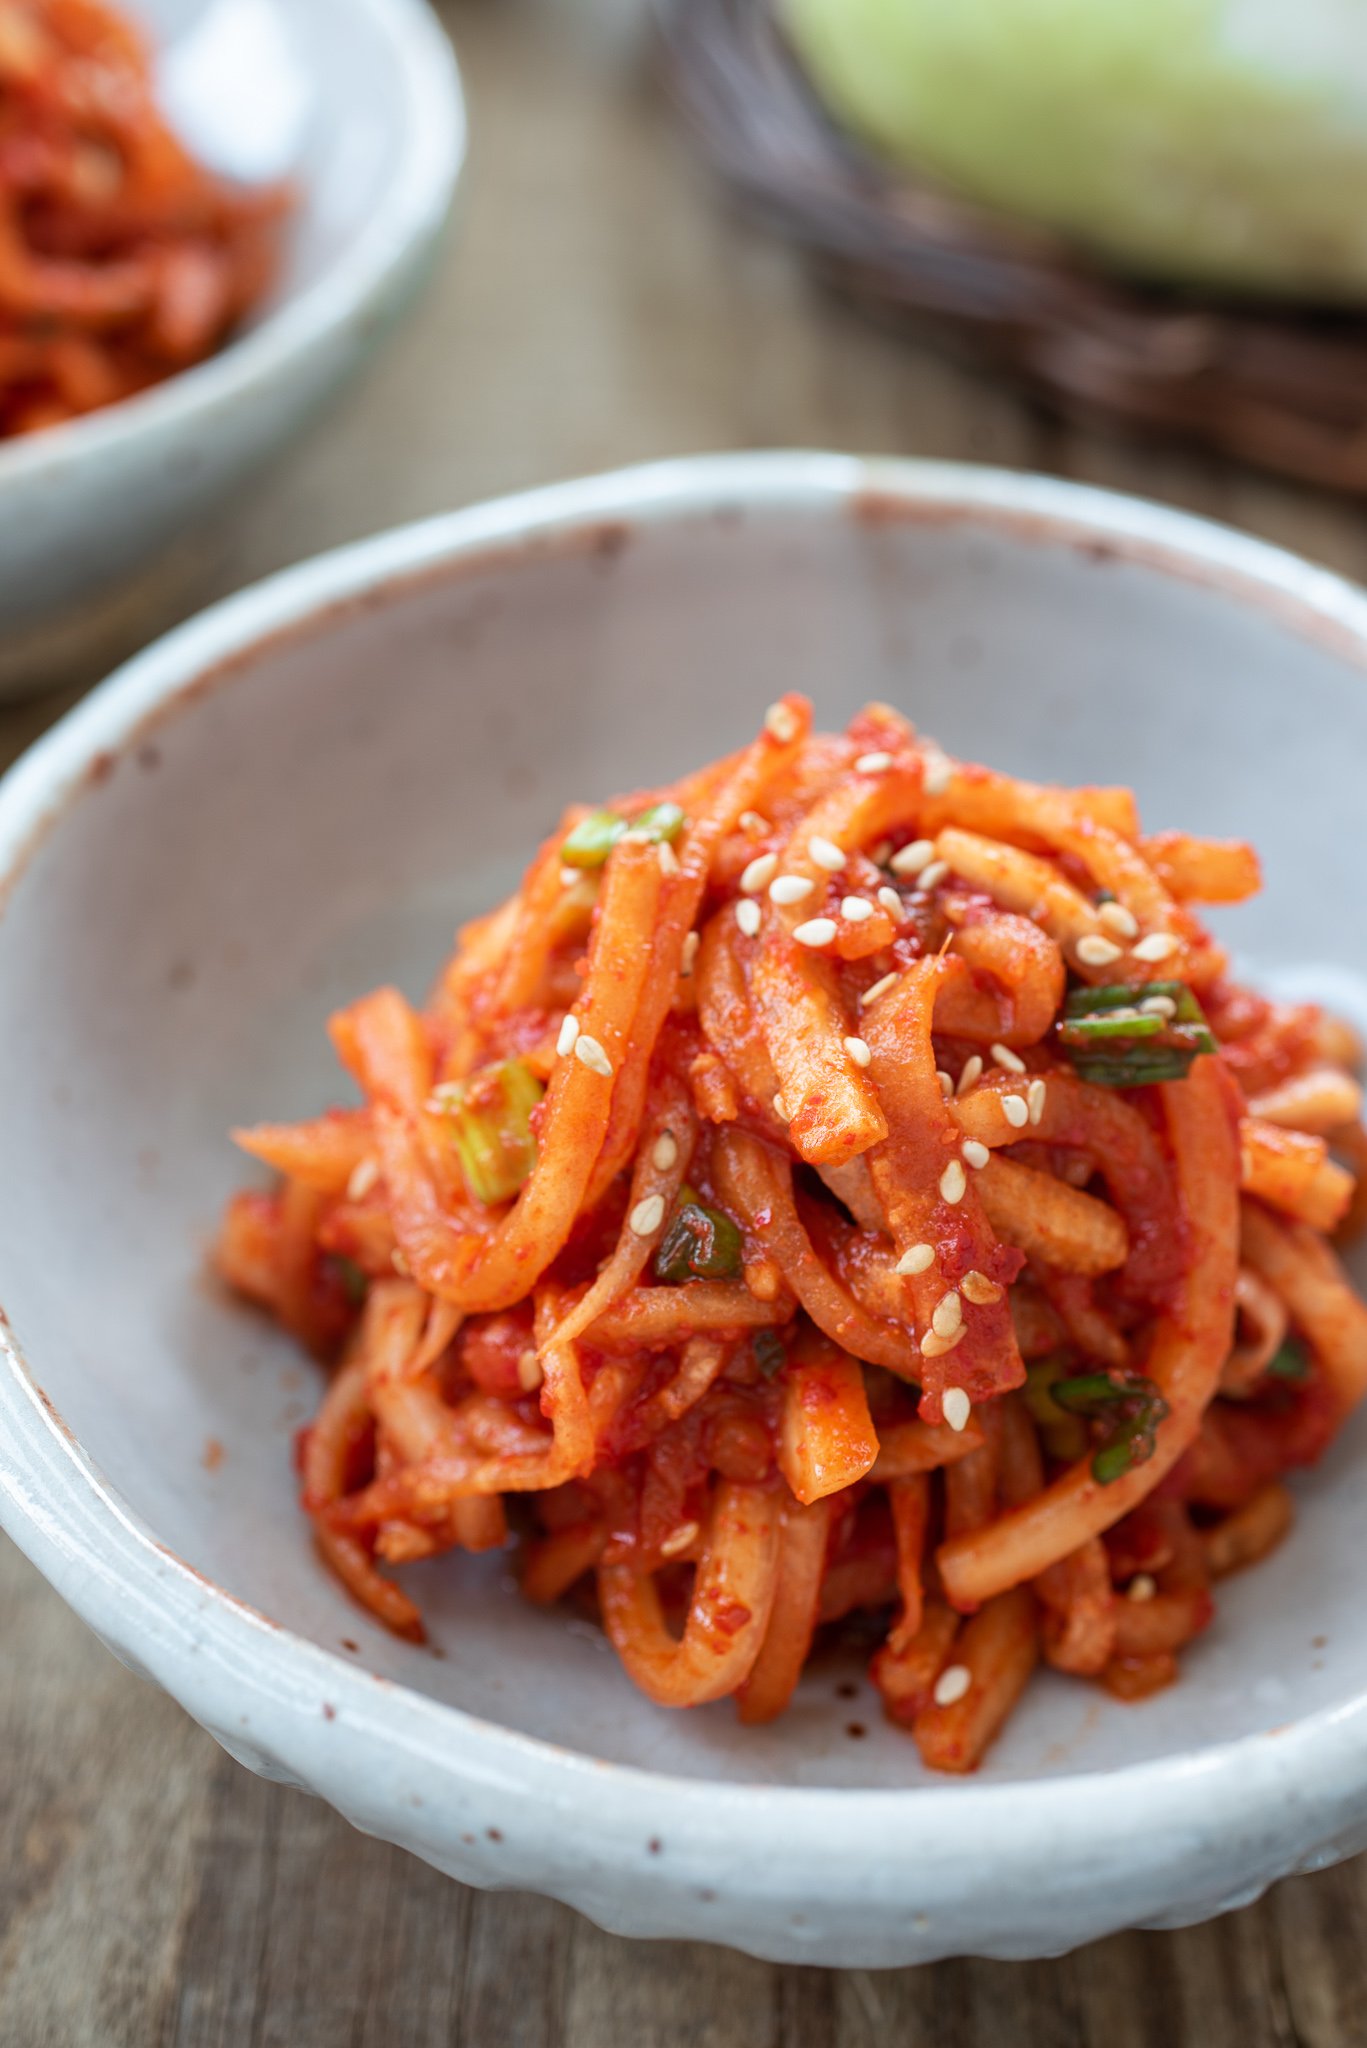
(359, 103)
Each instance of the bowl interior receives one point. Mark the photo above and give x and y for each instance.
(304, 90)
(322, 813)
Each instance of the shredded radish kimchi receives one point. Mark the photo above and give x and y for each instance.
(841, 1191)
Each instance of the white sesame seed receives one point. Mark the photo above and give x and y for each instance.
(399, 1262)
(975, 1152)
(751, 822)
(880, 988)
(1036, 1096)
(953, 1181)
(1157, 946)
(1004, 1057)
(364, 1175)
(933, 1345)
(1016, 1110)
(818, 931)
(948, 1315)
(939, 774)
(972, 1073)
(646, 1218)
(931, 877)
(911, 859)
(916, 1259)
(444, 1098)
(668, 859)
(747, 916)
(781, 1110)
(826, 854)
(891, 902)
(635, 837)
(873, 764)
(529, 1373)
(1119, 920)
(1094, 951)
(855, 909)
(787, 889)
(1142, 1587)
(952, 1684)
(977, 1288)
(946, 1082)
(569, 876)
(664, 1152)
(690, 953)
(957, 1408)
(781, 722)
(679, 1539)
(858, 1051)
(759, 873)
(590, 1054)
(1158, 1006)
(569, 1031)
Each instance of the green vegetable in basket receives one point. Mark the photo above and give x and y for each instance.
(1208, 141)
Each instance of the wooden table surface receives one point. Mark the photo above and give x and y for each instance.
(597, 307)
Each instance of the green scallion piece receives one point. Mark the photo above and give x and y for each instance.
(1135, 1072)
(1128, 1406)
(1064, 1436)
(354, 1283)
(770, 1354)
(1120, 1456)
(700, 1244)
(1085, 1393)
(592, 839)
(1116, 1043)
(658, 822)
(1289, 1362)
(1085, 1031)
(489, 1119)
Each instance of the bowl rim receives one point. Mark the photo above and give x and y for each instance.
(1284, 1800)
(408, 211)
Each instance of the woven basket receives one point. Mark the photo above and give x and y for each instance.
(1282, 387)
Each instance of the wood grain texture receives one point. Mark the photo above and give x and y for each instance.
(597, 307)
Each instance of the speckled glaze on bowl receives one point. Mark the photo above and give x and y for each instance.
(358, 103)
(301, 793)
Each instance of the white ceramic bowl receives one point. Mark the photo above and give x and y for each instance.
(358, 102)
(300, 794)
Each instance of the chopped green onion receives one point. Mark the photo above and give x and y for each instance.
(1086, 1002)
(1136, 1072)
(1064, 1436)
(1130, 1409)
(489, 1115)
(1116, 1043)
(592, 839)
(1289, 1362)
(1085, 1031)
(1084, 1393)
(659, 821)
(353, 1282)
(770, 1354)
(1121, 1455)
(700, 1244)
